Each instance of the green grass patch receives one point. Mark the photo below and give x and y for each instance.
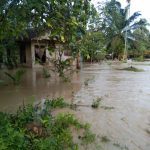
(35, 128)
(120, 146)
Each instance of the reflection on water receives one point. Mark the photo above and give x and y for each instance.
(127, 92)
(35, 87)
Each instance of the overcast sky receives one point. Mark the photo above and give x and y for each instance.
(136, 5)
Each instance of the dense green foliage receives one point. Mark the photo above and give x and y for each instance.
(34, 127)
(117, 25)
(68, 21)
(65, 19)
(140, 46)
(110, 28)
(92, 46)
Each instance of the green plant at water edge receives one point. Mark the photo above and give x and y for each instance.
(107, 107)
(147, 131)
(35, 128)
(65, 78)
(132, 69)
(139, 59)
(56, 103)
(88, 137)
(86, 82)
(105, 139)
(109, 63)
(17, 76)
(46, 73)
(120, 146)
(96, 102)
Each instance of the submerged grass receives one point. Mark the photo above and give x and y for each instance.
(105, 139)
(132, 69)
(46, 73)
(35, 128)
(107, 107)
(147, 131)
(96, 102)
(120, 146)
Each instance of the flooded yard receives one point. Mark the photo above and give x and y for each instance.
(122, 122)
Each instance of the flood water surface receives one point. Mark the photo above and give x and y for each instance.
(122, 122)
(34, 87)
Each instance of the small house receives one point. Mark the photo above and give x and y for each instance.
(34, 49)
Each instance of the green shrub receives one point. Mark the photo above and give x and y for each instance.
(34, 128)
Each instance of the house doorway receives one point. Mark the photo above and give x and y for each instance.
(40, 53)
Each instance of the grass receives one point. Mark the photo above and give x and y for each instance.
(86, 82)
(105, 139)
(107, 107)
(147, 131)
(96, 102)
(56, 103)
(132, 69)
(88, 136)
(109, 63)
(46, 73)
(121, 147)
(35, 128)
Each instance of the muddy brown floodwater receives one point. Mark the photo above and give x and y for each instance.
(122, 122)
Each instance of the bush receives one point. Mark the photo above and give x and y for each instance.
(34, 128)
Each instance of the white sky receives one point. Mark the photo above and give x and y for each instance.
(136, 5)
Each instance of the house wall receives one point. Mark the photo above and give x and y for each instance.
(30, 53)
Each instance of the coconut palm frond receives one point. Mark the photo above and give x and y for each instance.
(138, 24)
(133, 18)
(118, 4)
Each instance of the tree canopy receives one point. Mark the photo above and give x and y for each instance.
(116, 24)
(65, 19)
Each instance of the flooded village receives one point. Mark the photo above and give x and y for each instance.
(74, 75)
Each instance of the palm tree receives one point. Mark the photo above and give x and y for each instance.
(128, 15)
(118, 25)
